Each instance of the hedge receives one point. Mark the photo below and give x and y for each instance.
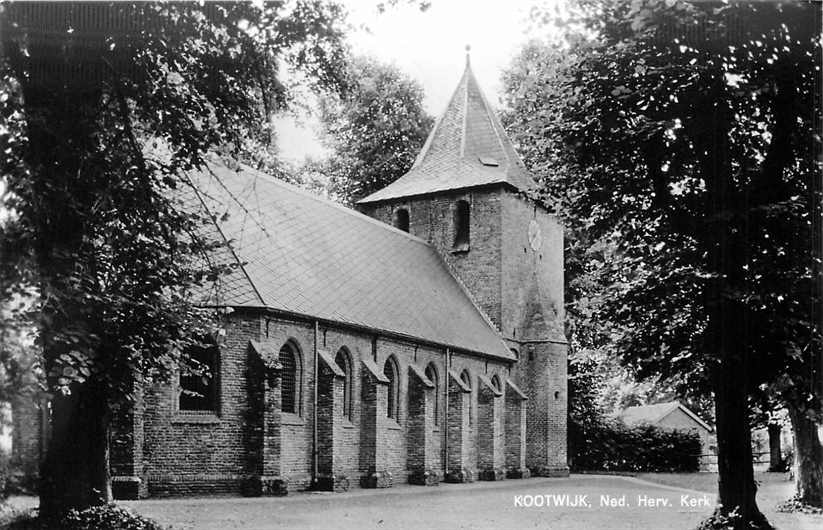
(610, 445)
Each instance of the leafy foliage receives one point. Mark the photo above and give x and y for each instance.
(374, 130)
(106, 517)
(104, 225)
(598, 442)
(609, 445)
(100, 221)
(620, 128)
(680, 141)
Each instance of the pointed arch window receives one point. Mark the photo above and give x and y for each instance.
(290, 378)
(342, 360)
(496, 384)
(467, 380)
(431, 373)
(401, 219)
(391, 372)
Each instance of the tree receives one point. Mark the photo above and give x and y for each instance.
(104, 108)
(374, 130)
(680, 135)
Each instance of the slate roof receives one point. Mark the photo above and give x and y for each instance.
(652, 414)
(465, 136)
(307, 255)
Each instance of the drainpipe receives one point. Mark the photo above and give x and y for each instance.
(314, 414)
(445, 427)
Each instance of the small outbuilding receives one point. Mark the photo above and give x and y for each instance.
(674, 415)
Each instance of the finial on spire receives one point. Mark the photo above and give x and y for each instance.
(468, 54)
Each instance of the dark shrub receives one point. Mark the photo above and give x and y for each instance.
(109, 517)
(610, 445)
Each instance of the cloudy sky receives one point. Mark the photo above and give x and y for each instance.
(430, 47)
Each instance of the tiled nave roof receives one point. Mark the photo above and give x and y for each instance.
(306, 255)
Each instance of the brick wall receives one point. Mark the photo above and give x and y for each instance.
(223, 452)
(431, 219)
(542, 370)
(186, 453)
(520, 287)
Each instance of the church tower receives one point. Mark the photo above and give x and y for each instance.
(467, 194)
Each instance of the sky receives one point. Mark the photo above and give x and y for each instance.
(430, 47)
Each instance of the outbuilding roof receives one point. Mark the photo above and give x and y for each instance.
(652, 414)
(305, 255)
(467, 148)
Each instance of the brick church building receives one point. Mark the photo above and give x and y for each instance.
(418, 340)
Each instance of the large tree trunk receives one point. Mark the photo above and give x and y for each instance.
(75, 472)
(775, 453)
(736, 486)
(808, 458)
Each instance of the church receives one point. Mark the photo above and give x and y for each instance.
(417, 340)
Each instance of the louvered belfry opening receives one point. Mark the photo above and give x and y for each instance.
(401, 219)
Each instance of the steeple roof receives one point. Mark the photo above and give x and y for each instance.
(467, 147)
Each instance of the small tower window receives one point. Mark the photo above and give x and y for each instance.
(401, 219)
(461, 224)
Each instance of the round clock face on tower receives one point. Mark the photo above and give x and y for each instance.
(535, 237)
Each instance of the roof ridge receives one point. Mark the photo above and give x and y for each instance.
(691, 414)
(427, 145)
(328, 202)
(491, 115)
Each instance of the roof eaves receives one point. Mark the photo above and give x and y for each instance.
(502, 182)
(427, 145)
(365, 327)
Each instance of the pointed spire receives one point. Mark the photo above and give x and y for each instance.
(467, 147)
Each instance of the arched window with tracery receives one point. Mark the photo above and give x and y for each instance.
(391, 372)
(431, 373)
(342, 360)
(290, 378)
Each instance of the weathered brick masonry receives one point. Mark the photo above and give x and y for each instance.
(357, 355)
